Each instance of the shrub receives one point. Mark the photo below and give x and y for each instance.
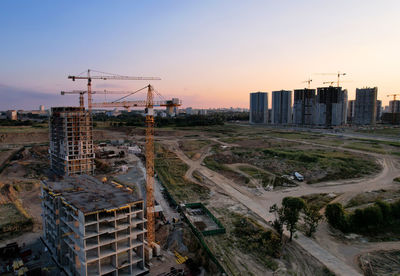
(336, 216)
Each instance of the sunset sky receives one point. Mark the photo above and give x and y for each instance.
(208, 53)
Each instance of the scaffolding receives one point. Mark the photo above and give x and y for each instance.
(71, 141)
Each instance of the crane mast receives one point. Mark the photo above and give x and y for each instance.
(150, 166)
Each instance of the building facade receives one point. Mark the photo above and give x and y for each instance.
(394, 106)
(93, 228)
(365, 106)
(258, 108)
(71, 141)
(331, 106)
(304, 106)
(281, 107)
(350, 111)
(378, 110)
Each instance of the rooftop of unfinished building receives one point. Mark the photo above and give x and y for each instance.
(88, 194)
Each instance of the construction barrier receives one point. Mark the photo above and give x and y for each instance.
(195, 231)
(220, 230)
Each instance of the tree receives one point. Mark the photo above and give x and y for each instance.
(279, 219)
(312, 217)
(291, 213)
(336, 216)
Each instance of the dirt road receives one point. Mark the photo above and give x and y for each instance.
(260, 204)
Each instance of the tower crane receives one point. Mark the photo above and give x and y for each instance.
(149, 105)
(104, 76)
(308, 82)
(338, 74)
(83, 92)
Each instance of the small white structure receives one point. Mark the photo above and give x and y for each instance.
(134, 150)
(298, 176)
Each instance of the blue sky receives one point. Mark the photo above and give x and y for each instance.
(208, 53)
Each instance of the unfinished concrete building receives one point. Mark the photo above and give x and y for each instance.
(281, 107)
(94, 228)
(304, 106)
(71, 141)
(331, 106)
(365, 106)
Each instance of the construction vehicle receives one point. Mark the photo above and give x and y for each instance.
(149, 105)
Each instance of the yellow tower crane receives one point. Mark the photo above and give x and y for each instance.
(149, 105)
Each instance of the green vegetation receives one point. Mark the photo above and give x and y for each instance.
(371, 197)
(191, 147)
(397, 179)
(318, 200)
(383, 131)
(289, 214)
(254, 239)
(12, 221)
(381, 217)
(336, 164)
(294, 135)
(369, 147)
(266, 178)
(171, 171)
(212, 164)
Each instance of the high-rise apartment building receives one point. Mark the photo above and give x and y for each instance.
(350, 110)
(71, 141)
(93, 228)
(378, 110)
(282, 107)
(331, 106)
(365, 106)
(304, 106)
(394, 106)
(259, 108)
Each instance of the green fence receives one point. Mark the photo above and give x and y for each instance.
(199, 235)
(220, 230)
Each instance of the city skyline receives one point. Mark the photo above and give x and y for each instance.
(208, 54)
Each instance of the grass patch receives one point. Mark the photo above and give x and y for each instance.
(373, 196)
(12, 221)
(319, 200)
(397, 179)
(191, 147)
(267, 179)
(212, 164)
(171, 171)
(368, 147)
(254, 239)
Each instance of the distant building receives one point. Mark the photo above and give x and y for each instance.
(365, 106)
(331, 106)
(259, 108)
(378, 110)
(281, 107)
(71, 141)
(350, 110)
(12, 115)
(394, 106)
(189, 111)
(304, 106)
(41, 108)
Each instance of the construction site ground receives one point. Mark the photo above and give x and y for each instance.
(224, 191)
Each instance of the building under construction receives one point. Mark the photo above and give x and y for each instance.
(304, 106)
(94, 228)
(71, 141)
